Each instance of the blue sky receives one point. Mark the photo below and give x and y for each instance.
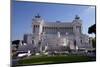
(23, 12)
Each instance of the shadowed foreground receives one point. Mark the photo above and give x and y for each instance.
(34, 60)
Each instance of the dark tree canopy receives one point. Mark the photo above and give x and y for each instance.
(92, 29)
(15, 42)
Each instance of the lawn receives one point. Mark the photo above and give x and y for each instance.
(34, 60)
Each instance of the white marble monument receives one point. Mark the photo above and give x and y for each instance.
(56, 35)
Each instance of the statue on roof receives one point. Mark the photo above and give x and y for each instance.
(77, 17)
(37, 16)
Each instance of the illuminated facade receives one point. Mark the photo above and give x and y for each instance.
(57, 36)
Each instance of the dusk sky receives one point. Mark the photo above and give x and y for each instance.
(23, 12)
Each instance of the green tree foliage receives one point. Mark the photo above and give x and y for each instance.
(94, 42)
(16, 42)
(15, 48)
(92, 29)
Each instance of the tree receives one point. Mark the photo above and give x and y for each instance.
(15, 48)
(92, 29)
(94, 42)
(16, 42)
